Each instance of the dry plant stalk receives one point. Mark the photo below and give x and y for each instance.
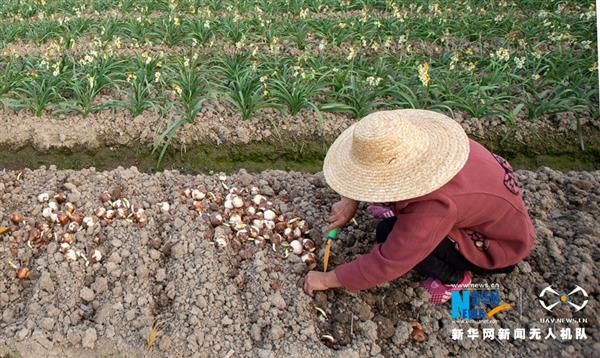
(153, 334)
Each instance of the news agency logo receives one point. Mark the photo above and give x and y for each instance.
(477, 304)
(564, 298)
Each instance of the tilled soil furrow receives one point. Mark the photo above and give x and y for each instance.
(166, 273)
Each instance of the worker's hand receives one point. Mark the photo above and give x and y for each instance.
(320, 281)
(342, 212)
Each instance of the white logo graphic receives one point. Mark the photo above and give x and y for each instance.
(564, 298)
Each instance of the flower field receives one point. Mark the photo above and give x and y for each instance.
(517, 62)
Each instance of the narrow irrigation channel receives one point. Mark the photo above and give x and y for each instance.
(255, 157)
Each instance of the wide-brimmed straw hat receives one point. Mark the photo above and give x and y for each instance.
(396, 155)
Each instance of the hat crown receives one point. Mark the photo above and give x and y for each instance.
(386, 136)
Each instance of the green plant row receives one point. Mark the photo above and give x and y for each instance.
(486, 59)
(507, 25)
(542, 84)
(29, 9)
(32, 8)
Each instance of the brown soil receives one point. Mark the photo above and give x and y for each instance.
(216, 124)
(212, 301)
(219, 123)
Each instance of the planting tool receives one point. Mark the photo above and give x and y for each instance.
(330, 237)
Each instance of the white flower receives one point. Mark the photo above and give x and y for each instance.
(117, 42)
(373, 81)
(520, 62)
(91, 81)
(322, 44)
(453, 61)
(131, 76)
(297, 71)
(589, 14)
(424, 74)
(502, 54)
(387, 43)
(176, 89)
(586, 44)
(352, 54)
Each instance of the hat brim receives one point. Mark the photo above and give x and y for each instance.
(445, 153)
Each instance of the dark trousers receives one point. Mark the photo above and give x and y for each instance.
(444, 263)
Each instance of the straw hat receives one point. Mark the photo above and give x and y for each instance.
(396, 155)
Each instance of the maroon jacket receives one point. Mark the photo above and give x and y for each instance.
(481, 209)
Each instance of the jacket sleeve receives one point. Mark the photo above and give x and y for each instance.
(419, 228)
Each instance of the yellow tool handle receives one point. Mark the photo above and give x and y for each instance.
(330, 237)
(326, 257)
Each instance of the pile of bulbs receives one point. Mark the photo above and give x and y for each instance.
(120, 208)
(244, 215)
(61, 223)
(236, 215)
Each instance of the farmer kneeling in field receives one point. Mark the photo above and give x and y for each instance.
(448, 206)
